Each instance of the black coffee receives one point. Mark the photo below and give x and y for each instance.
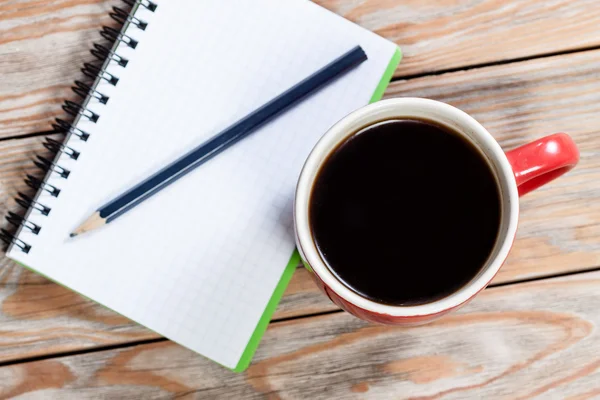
(405, 212)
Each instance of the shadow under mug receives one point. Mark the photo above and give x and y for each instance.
(518, 172)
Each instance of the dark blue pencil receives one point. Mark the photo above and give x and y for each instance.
(180, 167)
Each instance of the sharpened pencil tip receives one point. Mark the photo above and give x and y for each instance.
(93, 222)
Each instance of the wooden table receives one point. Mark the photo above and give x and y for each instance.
(524, 68)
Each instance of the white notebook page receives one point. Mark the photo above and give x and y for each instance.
(198, 262)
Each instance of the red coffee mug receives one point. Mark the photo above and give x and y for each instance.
(518, 171)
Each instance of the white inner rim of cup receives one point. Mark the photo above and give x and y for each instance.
(407, 108)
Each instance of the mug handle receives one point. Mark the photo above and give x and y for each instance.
(537, 163)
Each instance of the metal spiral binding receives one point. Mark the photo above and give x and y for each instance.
(46, 165)
(65, 127)
(75, 110)
(36, 183)
(102, 53)
(9, 238)
(105, 55)
(55, 146)
(144, 3)
(113, 35)
(123, 16)
(27, 202)
(93, 71)
(17, 221)
(85, 90)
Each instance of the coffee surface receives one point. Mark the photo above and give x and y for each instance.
(405, 212)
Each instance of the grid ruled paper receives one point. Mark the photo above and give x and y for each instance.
(198, 262)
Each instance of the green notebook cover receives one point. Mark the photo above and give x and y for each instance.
(261, 327)
(262, 324)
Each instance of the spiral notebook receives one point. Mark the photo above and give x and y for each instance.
(204, 262)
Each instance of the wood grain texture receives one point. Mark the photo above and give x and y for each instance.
(439, 35)
(43, 43)
(559, 229)
(39, 317)
(536, 339)
(513, 342)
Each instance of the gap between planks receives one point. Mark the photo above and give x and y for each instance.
(403, 77)
(136, 343)
(495, 63)
(132, 344)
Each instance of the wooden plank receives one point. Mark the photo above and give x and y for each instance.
(38, 316)
(43, 43)
(519, 341)
(440, 35)
(558, 232)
